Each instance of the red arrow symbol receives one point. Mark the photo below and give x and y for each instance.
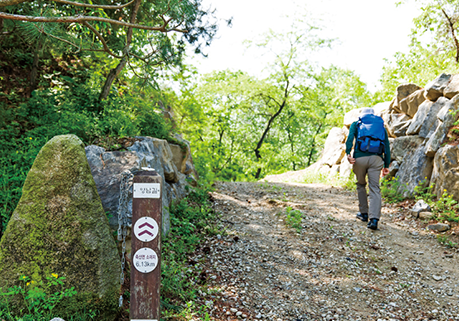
(146, 224)
(145, 232)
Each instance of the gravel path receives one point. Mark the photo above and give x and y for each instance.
(334, 269)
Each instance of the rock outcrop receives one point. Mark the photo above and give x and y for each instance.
(419, 123)
(172, 161)
(59, 227)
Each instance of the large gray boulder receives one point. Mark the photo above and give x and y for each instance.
(401, 93)
(431, 120)
(395, 122)
(446, 117)
(416, 167)
(419, 118)
(334, 148)
(452, 88)
(164, 153)
(400, 128)
(59, 227)
(410, 104)
(351, 116)
(107, 168)
(435, 88)
(445, 173)
(400, 146)
(345, 168)
(382, 108)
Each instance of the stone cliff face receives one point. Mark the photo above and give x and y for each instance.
(173, 162)
(419, 122)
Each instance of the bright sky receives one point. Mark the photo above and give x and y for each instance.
(368, 31)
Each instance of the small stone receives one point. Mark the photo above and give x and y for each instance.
(244, 316)
(437, 278)
(238, 314)
(425, 215)
(438, 227)
(258, 316)
(57, 319)
(233, 310)
(420, 206)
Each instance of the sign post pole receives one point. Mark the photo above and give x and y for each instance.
(146, 246)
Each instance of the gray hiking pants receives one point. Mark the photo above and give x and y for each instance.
(371, 166)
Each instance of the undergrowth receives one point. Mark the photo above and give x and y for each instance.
(443, 207)
(390, 187)
(67, 108)
(314, 177)
(192, 219)
(293, 218)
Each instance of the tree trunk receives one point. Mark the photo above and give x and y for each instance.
(268, 127)
(116, 71)
(111, 78)
(453, 34)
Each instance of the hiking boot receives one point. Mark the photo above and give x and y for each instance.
(373, 224)
(362, 216)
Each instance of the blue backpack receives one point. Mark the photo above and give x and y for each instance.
(371, 134)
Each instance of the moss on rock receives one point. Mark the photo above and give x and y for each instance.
(59, 226)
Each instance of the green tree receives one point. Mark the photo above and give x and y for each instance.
(433, 48)
(140, 34)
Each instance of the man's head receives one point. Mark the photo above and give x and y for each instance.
(366, 111)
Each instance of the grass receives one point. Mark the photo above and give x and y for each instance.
(293, 219)
(317, 177)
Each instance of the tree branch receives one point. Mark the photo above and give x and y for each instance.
(98, 6)
(451, 26)
(106, 49)
(268, 127)
(81, 19)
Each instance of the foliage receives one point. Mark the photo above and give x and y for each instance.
(293, 218)
(424, 192)
(226, 116)
(433, 49)
(142, 35)
(39, 299)
(318, 177)
(68, 108)
(444, 240)
(389, 187)
(191, 220)
(444, 207)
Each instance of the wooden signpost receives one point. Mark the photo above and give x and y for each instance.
(146, 246)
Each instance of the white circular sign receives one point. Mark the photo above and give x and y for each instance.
(145, 260)
(146, 229)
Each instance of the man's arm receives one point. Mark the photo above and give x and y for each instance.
(350, 142)
(385, 170)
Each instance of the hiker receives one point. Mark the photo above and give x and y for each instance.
(371, 155)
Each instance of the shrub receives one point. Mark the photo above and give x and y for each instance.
(293, 219)
(389, 190)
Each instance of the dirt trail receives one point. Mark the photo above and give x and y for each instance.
(334, 269)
